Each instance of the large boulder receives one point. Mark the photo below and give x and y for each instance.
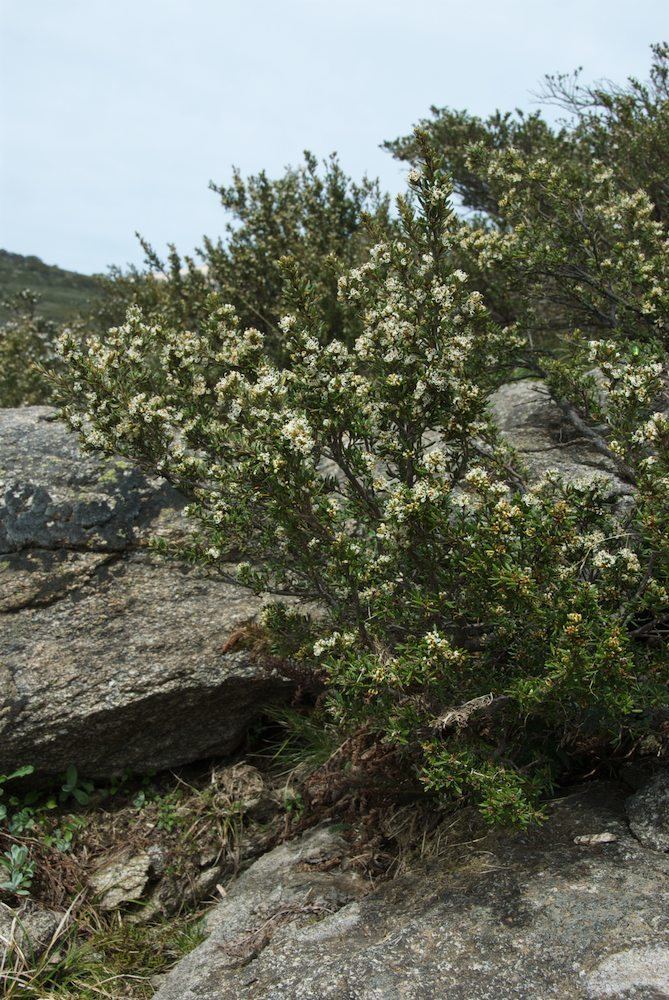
(577, 911)
(111, 658)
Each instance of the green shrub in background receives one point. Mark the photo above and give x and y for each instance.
(314, 213)
(61, 294)
(26, 342)
(489, 631)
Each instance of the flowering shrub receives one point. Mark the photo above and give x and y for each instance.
(487, 630)
(613, 137)
(571, 243)
(584, 243)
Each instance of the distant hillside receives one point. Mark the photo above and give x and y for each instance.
(62, 293)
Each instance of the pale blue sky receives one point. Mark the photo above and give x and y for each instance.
(115, 114)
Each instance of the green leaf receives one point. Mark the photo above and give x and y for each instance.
(20, 772)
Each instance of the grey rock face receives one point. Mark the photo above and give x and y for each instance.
(54, 496)
(531, 916)
(278, 894)
(648, 813)
(537, 428)
(110, 658)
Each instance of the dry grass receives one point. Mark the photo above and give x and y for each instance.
(89, 956)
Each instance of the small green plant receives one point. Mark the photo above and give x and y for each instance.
(140, 799)
(63, 836)
(294, 804)
(21, 772)
(74, 787)
(19, 870)
(22, 819)
(168, 810)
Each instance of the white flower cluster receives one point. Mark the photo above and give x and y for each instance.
(654, 430)
(296, 430)
(336, 641)
(439, 646)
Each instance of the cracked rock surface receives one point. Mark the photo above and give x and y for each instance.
(110, 657)
(54, 496)
(531, 916)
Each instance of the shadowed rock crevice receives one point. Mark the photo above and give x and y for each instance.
(39, 578)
